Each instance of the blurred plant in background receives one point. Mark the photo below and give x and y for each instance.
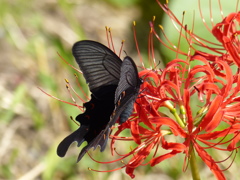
(31, 124)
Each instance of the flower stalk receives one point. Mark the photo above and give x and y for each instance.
(194, 166)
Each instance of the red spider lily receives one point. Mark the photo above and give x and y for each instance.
(173, 88)
(213, 121)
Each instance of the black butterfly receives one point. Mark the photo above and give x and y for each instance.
(114, 85)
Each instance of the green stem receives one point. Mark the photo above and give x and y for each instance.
(193, 164)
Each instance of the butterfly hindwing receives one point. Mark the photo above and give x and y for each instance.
(77, 136)
(93, 121)
(126, 92)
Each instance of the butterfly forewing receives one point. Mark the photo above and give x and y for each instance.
(100, 65)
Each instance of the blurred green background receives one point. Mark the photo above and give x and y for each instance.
(33, 124)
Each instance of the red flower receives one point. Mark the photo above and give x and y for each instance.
(203, 102)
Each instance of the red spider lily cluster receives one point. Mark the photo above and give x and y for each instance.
(201, 103)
